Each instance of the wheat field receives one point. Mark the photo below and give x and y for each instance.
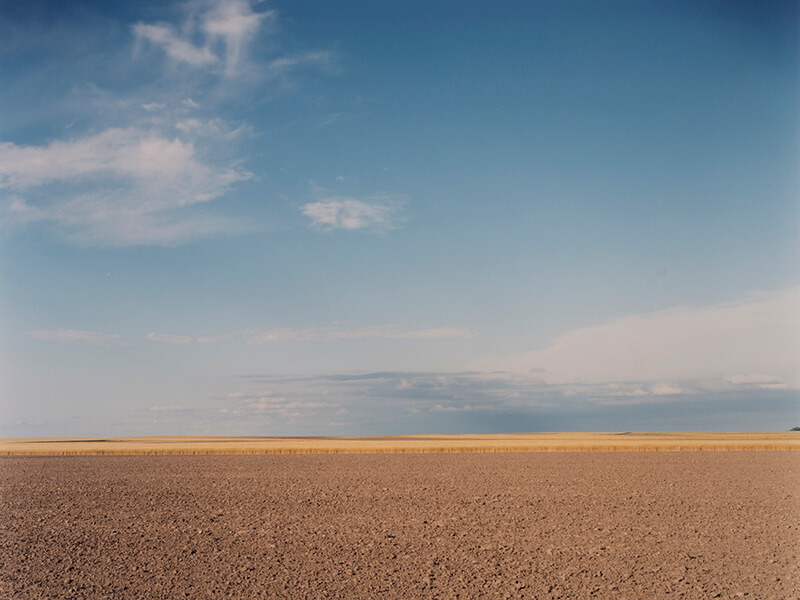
(513, 442)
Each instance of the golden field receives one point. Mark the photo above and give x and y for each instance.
(510, 442)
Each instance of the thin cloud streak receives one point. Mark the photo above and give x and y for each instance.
(336, 333)
(435, 333)
(168, 338)
(77, 336)
(317, 334)
(285, 64)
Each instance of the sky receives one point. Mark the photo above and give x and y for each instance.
(360, 218)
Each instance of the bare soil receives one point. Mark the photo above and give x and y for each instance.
(564, 525)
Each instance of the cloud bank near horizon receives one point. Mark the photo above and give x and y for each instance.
(512, 392)
(753, 341)
(750, 343)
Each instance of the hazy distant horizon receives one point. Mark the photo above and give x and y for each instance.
(348, 218)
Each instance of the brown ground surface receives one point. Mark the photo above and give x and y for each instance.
(632, 525)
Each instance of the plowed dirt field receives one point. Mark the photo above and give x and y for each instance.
(606, 525)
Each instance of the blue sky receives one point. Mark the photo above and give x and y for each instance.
(334, 218)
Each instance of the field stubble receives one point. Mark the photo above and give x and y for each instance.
(516, 442)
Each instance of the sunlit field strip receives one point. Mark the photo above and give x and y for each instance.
(526, 442)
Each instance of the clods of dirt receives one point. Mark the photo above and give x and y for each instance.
(616, 525)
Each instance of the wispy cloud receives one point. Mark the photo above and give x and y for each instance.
(376, 213)
(77, 336)
(165, 37)
(216, 34)
(212, 128)
(118, 187)
(285, 64)
(233, 23)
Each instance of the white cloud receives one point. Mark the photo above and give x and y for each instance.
(153, 106)
(76, 336)
(129, 153)
(757, 334)
(118, 187)
(340, 212)
(173, 408)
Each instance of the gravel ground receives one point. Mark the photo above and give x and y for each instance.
(562, 525)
